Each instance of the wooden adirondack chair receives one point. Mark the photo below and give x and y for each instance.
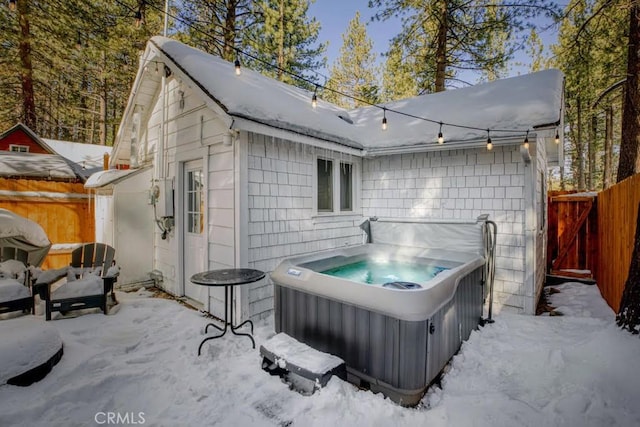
(15, 296)
(89, 281)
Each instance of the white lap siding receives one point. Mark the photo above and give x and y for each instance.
(281, 221)
(459, 184)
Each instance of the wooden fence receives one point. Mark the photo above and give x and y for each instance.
(62, 209)
(617, 210)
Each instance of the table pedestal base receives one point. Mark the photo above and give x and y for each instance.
(228, 307)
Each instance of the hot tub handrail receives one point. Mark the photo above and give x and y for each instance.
(490, 237)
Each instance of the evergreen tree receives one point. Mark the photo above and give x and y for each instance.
(591, 53)
(84, 57)
(285, 37)
(215, 25)
(397, 77)
(354, 72)
(443, 37)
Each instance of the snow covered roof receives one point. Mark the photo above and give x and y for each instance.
(528, 102)
(111, 176)
(87, 155)
(29, 165)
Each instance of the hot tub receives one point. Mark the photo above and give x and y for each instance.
(395, 333)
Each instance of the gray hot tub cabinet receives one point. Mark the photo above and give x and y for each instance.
(399, 358)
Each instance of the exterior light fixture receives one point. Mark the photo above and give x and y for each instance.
(440, 137)
(384, 119)
(557, 138)
(237, 67)
(526, 140)
(489, 143)
(314, 98)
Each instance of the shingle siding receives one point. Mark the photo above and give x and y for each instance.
(458, 184)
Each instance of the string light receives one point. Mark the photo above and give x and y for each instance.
(557, 138)
(311, 82)
(526, 140)
(78, 42)
(12, 5)
(314, 98)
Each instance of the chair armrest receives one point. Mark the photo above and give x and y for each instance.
(51, 276)
(112, 272)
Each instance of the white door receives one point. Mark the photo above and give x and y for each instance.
(194, 230)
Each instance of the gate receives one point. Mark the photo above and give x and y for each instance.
(572, 249)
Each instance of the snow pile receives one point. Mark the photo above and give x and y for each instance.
(27, 342)
(289, 350)
(573, 370)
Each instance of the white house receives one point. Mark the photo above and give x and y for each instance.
(242, 171)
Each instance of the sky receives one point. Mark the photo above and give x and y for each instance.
(141, 362)
(334, 17)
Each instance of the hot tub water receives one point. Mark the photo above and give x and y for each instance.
(379, 272)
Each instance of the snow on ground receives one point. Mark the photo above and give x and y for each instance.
(573, 370)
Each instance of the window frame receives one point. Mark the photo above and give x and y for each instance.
(337, 162)
(20, 148)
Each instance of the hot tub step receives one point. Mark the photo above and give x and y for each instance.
(304, 367)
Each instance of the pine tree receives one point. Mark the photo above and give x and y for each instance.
(591, 53)
(215, 26)
(443, 37)
(354, 71)
(397, 77)
(285, 37)
(84, 59)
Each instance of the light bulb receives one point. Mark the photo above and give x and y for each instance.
(314, 100)
(238, 68)
(440, 138)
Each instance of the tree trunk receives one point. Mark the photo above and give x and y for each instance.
(591, 185)
(229, 31)
(441, 48)
(608, 148)
(103, 104)
(629, 315)
(629, 145)
(280, 35)
(26, 72)
(580, 148)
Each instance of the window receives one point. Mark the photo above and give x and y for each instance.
(19, 148)
(335, 186)
(195, 211)
(346, 187)
(325, 185)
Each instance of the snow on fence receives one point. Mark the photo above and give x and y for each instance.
(617, 210)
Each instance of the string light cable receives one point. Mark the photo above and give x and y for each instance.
(309, 82)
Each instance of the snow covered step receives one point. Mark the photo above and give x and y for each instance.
(305, 368)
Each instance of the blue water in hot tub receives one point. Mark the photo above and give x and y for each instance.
(377, 273)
